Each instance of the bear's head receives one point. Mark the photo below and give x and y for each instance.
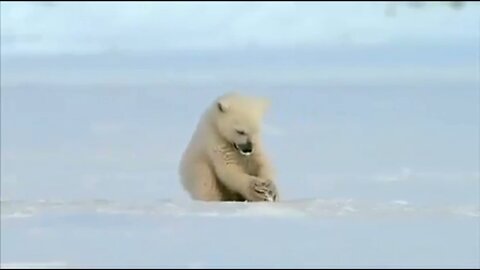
(238, 120)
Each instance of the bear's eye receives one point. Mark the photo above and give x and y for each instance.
(240, 132)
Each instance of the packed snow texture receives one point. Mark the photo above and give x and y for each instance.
(373, 128)
(309, 233)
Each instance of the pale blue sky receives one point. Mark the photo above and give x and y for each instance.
(92, 95)
(96, 27)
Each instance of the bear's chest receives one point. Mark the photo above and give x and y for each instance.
(233, 157)
(248, 164)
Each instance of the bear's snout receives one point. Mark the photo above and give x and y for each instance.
(245, 148)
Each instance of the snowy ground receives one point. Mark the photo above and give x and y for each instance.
(374, 131)
(310, 233)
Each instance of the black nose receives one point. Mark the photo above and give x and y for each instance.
(246, 147)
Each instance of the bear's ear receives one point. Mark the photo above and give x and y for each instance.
(222, 107)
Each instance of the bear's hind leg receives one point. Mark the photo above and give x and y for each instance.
(203, 184)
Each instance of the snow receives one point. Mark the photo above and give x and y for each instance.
(304, 233)
(35, 265)
(373, 128)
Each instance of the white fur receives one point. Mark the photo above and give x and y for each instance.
(211, 168)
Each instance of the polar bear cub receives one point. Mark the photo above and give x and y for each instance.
(225, 159)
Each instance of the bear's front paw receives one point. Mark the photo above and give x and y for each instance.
(263, 190)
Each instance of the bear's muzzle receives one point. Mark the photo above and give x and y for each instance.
(245, 149)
